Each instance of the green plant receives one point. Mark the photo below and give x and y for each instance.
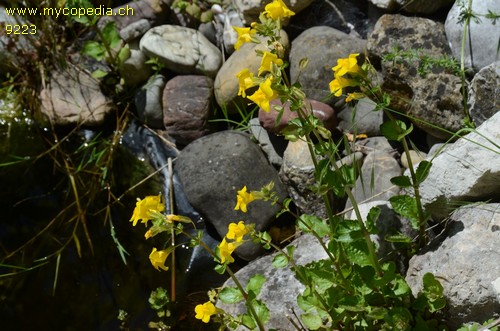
(199, 9)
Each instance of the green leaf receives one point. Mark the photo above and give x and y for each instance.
(349, 231)
(261, 310)
(358, 253)
(406, 206)
(422, 171)
(433, 291)
(249, 321)
(395, 130)
(220, 268)
(311, 223)
(311, 321)
(371, 220)
(401, 181)
(255, 283)
(94, 49)
(123, 55)
(99, 74)
(401, 288)
(397, 238)
(230, 295)
(110, 35)
(280, 261)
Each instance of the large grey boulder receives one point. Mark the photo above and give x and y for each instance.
(281, 288)
(182, 50)
(315, 44)
(213, 168)
(468, 170)
(484, 93)
(425, 7)
(431, 97)
(467, 265)
(481, 47)
(362, 118)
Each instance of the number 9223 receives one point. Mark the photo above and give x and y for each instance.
(20, 28)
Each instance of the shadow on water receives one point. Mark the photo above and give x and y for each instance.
(90, 289)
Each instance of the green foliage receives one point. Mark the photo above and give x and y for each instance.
(199, 9)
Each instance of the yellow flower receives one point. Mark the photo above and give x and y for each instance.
(347, 65)
(244, 36)
(226, 249)
(277, 9)
(354, 96)
(245, 78)
(237, 231)
(339, 83)
(264, 95)
(243, 198)
(204, 311)
(267, 60)
(158, 258)
(143, 208)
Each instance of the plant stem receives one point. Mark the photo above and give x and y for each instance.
(462, 60)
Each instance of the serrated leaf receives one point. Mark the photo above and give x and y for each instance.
(401, 287)
(311, 223)
(248, 321)
(123, 55)
(348, 231)
(230, 295)
(94, 49)
(357, 252)
(397, 238)
(255, 283)
(311, 321)
(401, 181)
(261, 310)
(406, 206)
(110, 35)
(280, 261)
(423, 169)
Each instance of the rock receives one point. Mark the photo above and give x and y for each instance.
(345, 15)
(320, 110)
(468, 170)
(424, 7)
(182, 50)
(297, 173)
(378, 168)
(148, 102)
(484, 93)
(437, 148)
(213, 168)
(226, 83)
(250, 9)
(376, 143)
(135, 70)
(466, 264)
(186, 107)
(281, 288)
(385, 4)
(139, 16)
(73, 97)
(362, 118)
(482, 41)
(432, 97)
(415, 156)
(259, 133)
(315, 44)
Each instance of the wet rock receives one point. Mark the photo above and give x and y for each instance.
(72, 96)
(250, 9)
(484, 93)
(186, 107)
(315, 44)
(226, 83)
(148, 102)
(259, 133)
(468, 170)
(424, 7)
(213, 168)
(385, 4)
(374, 182)
(281, 288)
(182, 50)
(431, 96)
(466, 264)
(135, 70)
(482, 43)
(362, 118)
(320, 110)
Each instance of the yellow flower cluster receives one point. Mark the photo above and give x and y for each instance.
(144, 208)
(205, 311)
(271, 62)
(235, 232)
(243, 198)
(346, 66)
